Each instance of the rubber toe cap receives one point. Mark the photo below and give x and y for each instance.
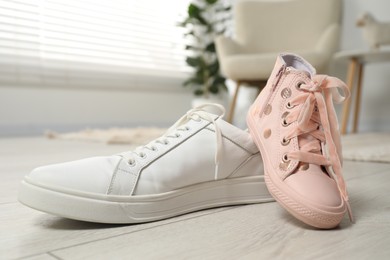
(317, 187)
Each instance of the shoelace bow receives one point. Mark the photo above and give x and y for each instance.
(196, 114)
(316, 117)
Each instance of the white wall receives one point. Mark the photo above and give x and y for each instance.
(32, 110)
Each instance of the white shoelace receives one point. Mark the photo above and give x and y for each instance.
(196, 114)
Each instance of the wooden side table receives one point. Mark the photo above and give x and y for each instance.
(357, 60)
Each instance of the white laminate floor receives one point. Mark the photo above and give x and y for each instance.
(262, 231)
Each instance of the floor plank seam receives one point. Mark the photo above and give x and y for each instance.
(39, 254)
(54, 255)
(52, 251)
(382, 171)
(148, 228)
(10, 202)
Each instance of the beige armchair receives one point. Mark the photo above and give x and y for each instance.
(264, 28)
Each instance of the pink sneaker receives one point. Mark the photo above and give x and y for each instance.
(294, 124)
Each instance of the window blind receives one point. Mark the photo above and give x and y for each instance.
(91, 43)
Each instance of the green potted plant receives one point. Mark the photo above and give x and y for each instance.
(204, 21)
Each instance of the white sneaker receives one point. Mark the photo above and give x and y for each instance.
(201, 162)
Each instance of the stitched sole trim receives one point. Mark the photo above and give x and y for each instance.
(145, 208)
(307, 215)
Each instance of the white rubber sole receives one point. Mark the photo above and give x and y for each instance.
(143, 208)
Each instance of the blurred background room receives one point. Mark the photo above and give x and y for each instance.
(83, 78)
(71, 65)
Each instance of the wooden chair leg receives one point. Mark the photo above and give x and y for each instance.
(358, 99)
(233, 103)
(347, 105)
(259, 89)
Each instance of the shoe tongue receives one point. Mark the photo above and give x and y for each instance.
(304, 139)
(298, 63)
(307, 73)
(212, 114)
(210, 109)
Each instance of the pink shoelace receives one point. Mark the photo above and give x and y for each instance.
(317, 120)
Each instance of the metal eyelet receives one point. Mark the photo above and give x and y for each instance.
(298, 85)
(285, 123)
(285, 163)
(142, 155)
(285, 141)
(187, 128)
(154, 148)
(131, 163)
(288, 105)
(166, 142)
(177, 135)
